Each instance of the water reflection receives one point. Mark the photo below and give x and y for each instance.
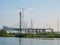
(20, 41)
(29, 41)
(39, 41)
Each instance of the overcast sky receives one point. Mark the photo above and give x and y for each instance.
(43, 13)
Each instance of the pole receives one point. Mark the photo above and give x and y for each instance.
(22, 11)
(20, 22)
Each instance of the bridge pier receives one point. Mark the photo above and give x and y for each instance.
(28, 31)
(39, 31)
(36, 31)
(32, 31)
(43, 30)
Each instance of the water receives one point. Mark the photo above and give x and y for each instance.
(29, 41)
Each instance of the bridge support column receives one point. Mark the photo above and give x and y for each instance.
(32, 31)
(36, 31)
(52, 30)
(39, 31)
(25, 30)
(43, 30)
(28, 31)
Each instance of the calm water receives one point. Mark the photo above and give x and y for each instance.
(29, 41)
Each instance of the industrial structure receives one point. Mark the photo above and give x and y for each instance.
(28, 30)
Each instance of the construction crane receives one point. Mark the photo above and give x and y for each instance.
(21, 13)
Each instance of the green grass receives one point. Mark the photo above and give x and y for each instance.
(3, 33)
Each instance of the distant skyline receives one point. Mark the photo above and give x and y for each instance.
(44, 13)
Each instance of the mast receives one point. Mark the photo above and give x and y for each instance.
(20, 22)
(21, 16)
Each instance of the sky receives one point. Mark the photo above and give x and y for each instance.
(43, 13)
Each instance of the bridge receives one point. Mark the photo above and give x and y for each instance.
(29, 30)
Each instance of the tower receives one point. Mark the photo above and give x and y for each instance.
(20, 22)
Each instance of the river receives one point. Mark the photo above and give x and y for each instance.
(29, 41)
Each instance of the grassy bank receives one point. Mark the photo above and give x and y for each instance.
(3, 33)
(40, 35)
